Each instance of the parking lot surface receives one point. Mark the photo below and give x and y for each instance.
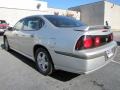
(19, 73)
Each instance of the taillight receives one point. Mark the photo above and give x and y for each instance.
(79, 44)
(87, 42)
(84, 42)
(97, 41)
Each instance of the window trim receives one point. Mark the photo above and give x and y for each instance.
(16, 24)
(40, 19)
(48, 17)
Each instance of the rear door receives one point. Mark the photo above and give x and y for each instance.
(27, 34)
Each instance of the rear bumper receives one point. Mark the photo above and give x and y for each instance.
(2, 31)
(95, 64)
(96, 52)
(92, 59)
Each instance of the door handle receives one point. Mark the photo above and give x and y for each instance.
(23, 35)
(28, 36)
(31, 36)
(19, 35)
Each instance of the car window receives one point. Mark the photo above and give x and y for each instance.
(32, 23)
(3, 22)
(63, 21)
(19, 25)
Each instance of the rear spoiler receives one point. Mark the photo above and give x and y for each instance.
(88, 28)
(99, 27)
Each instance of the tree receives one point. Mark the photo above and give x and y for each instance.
(38, 6)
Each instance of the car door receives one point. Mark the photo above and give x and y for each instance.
(26, 35)
(13, 35)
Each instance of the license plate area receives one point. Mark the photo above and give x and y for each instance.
(109, 53)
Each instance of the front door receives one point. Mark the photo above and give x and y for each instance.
(14, 35)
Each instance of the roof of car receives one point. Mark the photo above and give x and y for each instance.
(43, 15)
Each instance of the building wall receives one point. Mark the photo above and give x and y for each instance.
(13, 10)
(13, 15)
(24, 4)
(100, 12)
(91, 14)
(112, 15)
(74, 14)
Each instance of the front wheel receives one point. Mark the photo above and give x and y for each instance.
(43, 61)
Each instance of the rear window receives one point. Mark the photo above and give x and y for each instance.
(63, 21)
(2, 22)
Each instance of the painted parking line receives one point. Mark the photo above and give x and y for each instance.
(115, 62)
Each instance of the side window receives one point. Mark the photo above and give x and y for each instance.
(18, 25)
(32, 23)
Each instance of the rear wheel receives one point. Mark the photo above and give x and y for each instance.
(6, 44)
(43, 61)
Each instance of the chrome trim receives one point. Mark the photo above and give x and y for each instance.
(83, 56)
(80, 56)
(69, 54)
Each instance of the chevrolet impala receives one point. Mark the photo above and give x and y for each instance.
(60, 42)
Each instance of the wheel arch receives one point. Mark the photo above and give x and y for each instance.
(41, 46)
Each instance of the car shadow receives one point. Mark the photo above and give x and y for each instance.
(58, 74)
(64, 76)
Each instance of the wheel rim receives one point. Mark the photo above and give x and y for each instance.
(6, 44)
(42, 60)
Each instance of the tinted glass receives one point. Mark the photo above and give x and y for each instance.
(62, 21)
(32, 23)
(2, 22)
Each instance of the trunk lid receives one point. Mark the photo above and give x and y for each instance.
(94, 36)
(94, 30)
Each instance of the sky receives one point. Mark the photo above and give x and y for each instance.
(65, 4)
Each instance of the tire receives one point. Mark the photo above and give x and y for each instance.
(43, 61)
(6, 44)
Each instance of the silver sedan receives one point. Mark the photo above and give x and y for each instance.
(59, 42)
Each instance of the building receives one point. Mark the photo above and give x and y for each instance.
(13, 10)
(62, 12)
(99, 13)
(24, 4)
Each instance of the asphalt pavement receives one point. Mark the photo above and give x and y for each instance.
(19, 73)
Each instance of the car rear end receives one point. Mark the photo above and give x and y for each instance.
(80, 48)
(94, 49)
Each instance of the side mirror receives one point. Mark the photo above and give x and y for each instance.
(10, 29)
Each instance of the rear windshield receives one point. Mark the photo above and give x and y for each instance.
(62, 21)
(2, 22)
